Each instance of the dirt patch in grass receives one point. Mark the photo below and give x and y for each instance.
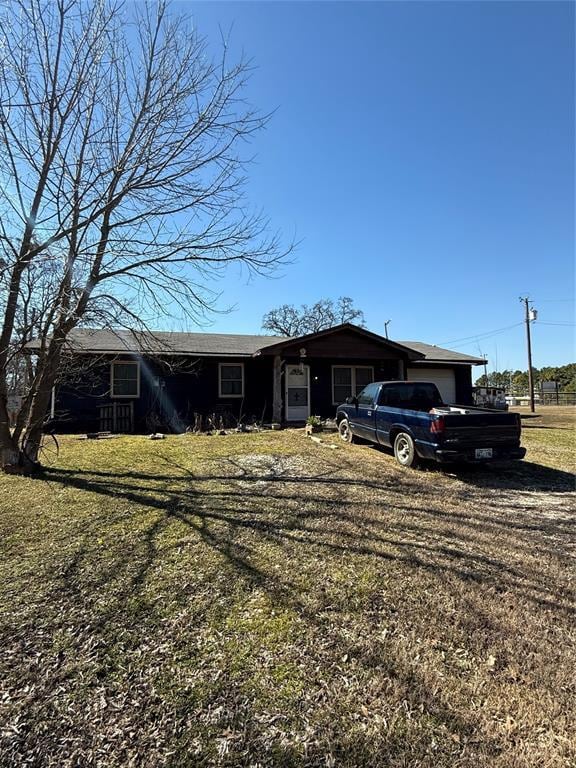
(256, 600)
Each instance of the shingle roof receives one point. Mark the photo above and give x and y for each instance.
(166, 342)
(436, 354)
(214, 344)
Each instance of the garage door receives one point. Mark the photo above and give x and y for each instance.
(442, 377)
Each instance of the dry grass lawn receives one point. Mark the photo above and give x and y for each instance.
(258, 600)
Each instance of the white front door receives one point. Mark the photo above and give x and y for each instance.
(297, 392)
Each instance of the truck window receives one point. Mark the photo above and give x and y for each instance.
(366, 397)
(426, 396)
(414, 397)
(390, 396)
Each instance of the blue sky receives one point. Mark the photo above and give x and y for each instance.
(423, 153)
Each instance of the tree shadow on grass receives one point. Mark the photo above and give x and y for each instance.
(517, 475)
(282, 510)
(325, 517)
(513, 475)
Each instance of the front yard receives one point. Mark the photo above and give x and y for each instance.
(259, 600)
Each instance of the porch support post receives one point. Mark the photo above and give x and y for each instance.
(401, 370)
(277, 390)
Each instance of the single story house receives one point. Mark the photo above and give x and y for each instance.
(129, 381)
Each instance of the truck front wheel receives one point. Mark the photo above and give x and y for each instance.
(404, 450)
(345, 432)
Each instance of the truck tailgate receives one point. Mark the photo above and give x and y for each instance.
(481, 429)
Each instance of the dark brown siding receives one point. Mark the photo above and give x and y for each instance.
(169, 396)
(344, 344)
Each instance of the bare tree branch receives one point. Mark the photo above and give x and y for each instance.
(122, 170)
(288, 320)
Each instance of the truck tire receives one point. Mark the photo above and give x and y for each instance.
(405, 450)
(345, 431)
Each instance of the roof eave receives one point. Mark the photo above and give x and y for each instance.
(153, 353)
(438, 361)
(411, 354)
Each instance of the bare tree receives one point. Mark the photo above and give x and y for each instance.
(122, 171)
(34, 300)
(288, 320)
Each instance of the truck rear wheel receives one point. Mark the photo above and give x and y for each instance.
(405, 450)
(345, 432)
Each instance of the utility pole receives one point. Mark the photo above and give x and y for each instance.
(531, 314)
(485, 364)
(386, 327)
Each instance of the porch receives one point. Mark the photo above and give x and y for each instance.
(314, 373)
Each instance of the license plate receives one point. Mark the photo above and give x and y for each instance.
(483, 453)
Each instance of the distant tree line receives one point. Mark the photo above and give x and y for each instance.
(516, 382)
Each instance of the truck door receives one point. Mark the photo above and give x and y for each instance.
(387, 411)
(364, 422)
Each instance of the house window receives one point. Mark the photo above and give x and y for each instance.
(231, 380)
(348, 380)
(125, 379)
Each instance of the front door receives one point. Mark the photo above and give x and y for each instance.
(297, 392)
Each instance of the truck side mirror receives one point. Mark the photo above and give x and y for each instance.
(352, 401)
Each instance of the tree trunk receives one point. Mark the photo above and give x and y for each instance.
(9, 454)
(31, 438)
(22, 447)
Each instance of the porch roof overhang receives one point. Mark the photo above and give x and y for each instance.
(287, 345)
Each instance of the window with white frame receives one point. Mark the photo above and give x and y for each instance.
(349, 380)
(231, 380)
(125, 378)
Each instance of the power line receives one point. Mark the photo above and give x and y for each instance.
(485, 334)
(468, 340)
(466, 344)
(556, 322)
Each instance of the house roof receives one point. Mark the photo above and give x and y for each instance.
(86, 340)
(165, 342)
(434, 354)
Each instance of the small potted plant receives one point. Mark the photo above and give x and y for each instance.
(313, 424)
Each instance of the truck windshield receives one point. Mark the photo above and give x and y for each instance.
(415, 397)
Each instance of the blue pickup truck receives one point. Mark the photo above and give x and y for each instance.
(411, 418)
